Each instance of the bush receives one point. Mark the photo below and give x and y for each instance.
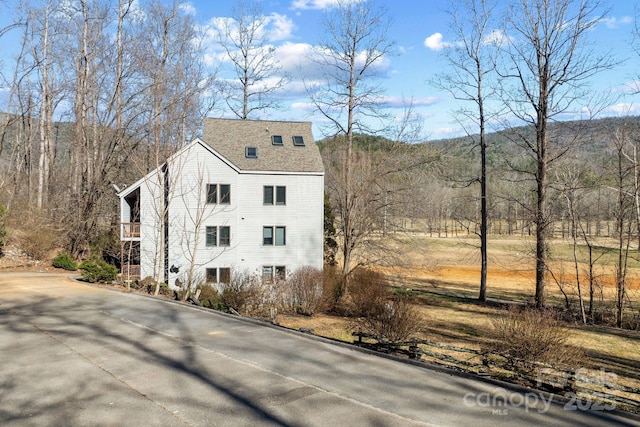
(64, 261)
(98, 270)
(368, 290)
(210, 297)
(243, 293)
(527, 337)
(305, 291)
(395, 320)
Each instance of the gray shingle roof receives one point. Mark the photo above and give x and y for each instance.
(230, 137)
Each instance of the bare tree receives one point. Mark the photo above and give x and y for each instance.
(357, 41)
(471, 62)
(547, 66)
(245, 39)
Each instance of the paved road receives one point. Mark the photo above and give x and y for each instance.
(78, 355)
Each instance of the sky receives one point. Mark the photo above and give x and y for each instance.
(420, 31)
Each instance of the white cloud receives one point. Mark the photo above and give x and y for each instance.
(188, 8)
(315, 4)
(434, 42)
(625, 109)
(280, 27)
(613, 22)
(497, 38)
(403, 102)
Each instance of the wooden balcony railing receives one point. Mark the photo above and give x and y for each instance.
(130, 230)
(130, 272)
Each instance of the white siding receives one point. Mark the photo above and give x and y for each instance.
(189, 174)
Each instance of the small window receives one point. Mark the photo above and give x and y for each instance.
(281, 236)
(211, 275)
(225, 236)
(281, 196)
(225, 275)
(267, 196)
(298, 140)
(212, 236)
(276, 139)
(267, 274)
(212, 193)
(225, 194)
(281, 272)
(267, 235)
(218, 193)
(251, 152)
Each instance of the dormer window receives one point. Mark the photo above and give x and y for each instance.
(276, 139)
(298, 141)
(251, 152)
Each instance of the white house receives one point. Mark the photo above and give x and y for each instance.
(246, 196)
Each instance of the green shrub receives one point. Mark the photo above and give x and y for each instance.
(98, 270)
(63, 260)
(210, 298)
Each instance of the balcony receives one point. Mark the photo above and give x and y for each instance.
(130, 230)
(130, 272)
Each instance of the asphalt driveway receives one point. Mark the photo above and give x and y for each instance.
(73, 355)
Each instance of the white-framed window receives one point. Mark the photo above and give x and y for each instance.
(251, 152)
(218, 275)
(274, 235)
(218, 236)
(218, 194)
(274, 195)
(271, 273)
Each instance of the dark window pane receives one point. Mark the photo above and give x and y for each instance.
(212, 236)
(267, 235)
(281, 272)
(281, 195)
(212, 275)
(212, 193)
(225, 275)
(298, 140)
(251, 152)
(276, 139)
(267, 198)
(225, 194)
(225, 236)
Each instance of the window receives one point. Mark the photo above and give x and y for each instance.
(267, 274)
(298, 141)
(267, 235)
(218, 193)
(212, 236)
(251, 152)
(218, 236)
(218, 275)
(211, 275)
(276, 139)
(280, 193)
(281, 196)
(225, 275)
(212, 193)
(280, 236)
(225, 194)
(225, 236)
(267, 196)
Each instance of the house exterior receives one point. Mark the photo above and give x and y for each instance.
(247, 196)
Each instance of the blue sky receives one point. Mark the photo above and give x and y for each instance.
(419, 29)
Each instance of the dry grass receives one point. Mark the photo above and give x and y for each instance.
(443, 275)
